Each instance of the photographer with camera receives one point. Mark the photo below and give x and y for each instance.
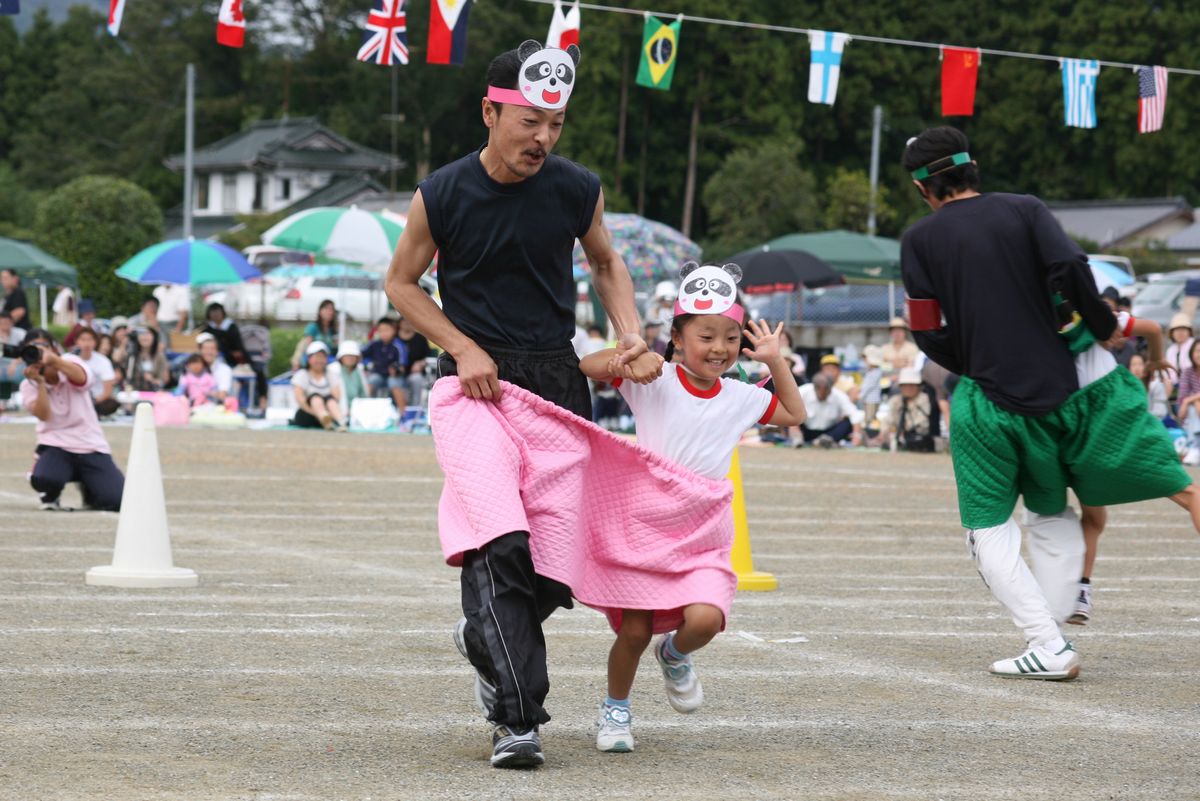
(70, 444)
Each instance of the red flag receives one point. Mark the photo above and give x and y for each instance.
(448, 31)
(231, 24)
(960, 68)
(116, 10)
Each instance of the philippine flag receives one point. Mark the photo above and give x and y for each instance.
(564, 27)
(231, 24)
(116, 10)
(448, 31)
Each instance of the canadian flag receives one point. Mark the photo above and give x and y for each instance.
(564, 27)
(116, 10)
(231, 24)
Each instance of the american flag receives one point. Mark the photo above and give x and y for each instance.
(1152, 98)
(385, 36)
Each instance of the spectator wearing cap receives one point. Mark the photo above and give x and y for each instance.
(910, 414)
(317, 396)
(900, 351)
(652, 333)
(87, 319)
(70, 443)
(385, 358)
(662, 306)
(1179, 333)
(209, 350)
(832, 416)
(831, 366)
(347, 372)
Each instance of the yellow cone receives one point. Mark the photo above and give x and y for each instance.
(743, 561)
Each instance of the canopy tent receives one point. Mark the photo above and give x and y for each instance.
(35, 265)
(858, 257)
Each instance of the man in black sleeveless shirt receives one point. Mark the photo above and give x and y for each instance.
(503, 222)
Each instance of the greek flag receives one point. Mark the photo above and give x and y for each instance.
(826, 65)
(1079, 91)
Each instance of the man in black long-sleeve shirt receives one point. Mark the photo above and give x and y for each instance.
(990, 262)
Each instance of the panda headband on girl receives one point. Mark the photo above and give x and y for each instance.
(545, 80)
(711, 289)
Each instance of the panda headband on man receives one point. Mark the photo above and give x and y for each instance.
(711, 289)
(545, 80)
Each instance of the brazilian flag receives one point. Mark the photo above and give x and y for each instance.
(660, 46)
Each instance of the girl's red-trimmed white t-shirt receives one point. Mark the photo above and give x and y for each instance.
(696, 428)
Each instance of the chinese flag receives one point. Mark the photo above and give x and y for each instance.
(960, 68)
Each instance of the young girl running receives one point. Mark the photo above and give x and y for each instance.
(1143, 434)
(692, 417)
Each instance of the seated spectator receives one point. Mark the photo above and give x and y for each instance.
(1189, 404)
(794, 359)
(832, 417)
(384, 359)
(871, 391)
(910, 413)
(1180, 334)
(1156, 391)
(347, 372)
(11, 370)
(87, 319)
(831, 366)
(225, 330)
(899, 352)
(416, 346)
(939, 379)
(70, 442)
(105, 346)
(318, 398)
(9, 333)
(222, 373)
(103, 376)
(147, 317)
(144, 363)
(652, 334)
(197, 382)
(323, 329)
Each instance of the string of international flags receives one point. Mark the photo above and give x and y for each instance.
(385, 42)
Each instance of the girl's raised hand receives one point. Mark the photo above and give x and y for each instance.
(765, 341)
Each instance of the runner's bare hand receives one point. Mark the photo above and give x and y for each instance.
(644, 368)
(629, 347)
(477, 374)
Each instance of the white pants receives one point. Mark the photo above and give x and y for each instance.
(1038, 599)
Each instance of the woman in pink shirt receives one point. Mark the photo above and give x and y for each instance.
(70, 444)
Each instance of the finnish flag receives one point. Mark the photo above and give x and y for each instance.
(1079, 91)
(826, 65)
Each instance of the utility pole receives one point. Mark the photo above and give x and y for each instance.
(875, 130)
(189, 145)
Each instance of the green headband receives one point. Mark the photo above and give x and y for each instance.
(957, 159)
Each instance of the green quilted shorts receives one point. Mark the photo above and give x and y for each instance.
(1102, 442)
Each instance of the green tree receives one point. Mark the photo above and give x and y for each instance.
(96, 223)
(759, 193)
(848, 201)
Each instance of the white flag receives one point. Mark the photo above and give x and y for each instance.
(564, 27)
(826, 65)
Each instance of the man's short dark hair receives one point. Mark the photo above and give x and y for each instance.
(933, 145)
(13, 272)
(392, 321)
(503, 73)
(87, 331)
(153, 300)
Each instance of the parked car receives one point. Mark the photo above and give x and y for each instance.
(846, 304)
(1160, 300)
(361, 298)
(1122, 262)
(257, 297)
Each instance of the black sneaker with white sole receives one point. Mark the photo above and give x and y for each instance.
(513, 748)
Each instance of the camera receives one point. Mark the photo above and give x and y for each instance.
(30, 354)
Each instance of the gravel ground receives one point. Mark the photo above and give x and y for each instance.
(314, 660)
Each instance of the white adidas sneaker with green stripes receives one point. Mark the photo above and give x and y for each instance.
(1039, 663)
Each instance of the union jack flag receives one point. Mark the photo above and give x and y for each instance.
(1152, 98)
(385, 36)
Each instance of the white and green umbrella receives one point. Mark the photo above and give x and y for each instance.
(350, 235)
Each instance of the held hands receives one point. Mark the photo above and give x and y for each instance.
(642, 370)
(765, 341)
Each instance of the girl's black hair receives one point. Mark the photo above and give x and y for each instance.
(333, 322)
(1191, 353)
(676, 328)
(154, 339)
(34, 334)
(933, 145)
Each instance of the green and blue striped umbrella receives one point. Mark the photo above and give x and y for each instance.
(184, 261)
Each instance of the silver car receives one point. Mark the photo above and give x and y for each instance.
(1161, 300)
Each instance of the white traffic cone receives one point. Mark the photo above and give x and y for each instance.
(142, 554)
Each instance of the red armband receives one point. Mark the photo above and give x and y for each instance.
(924, 314)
